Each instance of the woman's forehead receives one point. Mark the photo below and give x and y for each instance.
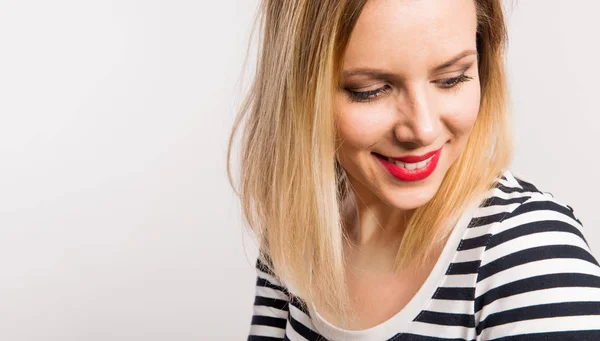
(404, 34)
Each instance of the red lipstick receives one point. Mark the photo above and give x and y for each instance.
(401, 172)
(415, 158)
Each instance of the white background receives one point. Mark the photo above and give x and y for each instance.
(116, 218)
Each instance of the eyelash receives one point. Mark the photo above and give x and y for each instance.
(365, 96)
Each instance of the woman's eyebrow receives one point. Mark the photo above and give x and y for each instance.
(378, 73)
(375, 73)
(456, 59)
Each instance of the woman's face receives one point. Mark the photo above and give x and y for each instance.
(409, 87)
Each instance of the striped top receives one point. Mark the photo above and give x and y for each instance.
(516, 267)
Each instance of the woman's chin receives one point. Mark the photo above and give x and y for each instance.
(410, 198)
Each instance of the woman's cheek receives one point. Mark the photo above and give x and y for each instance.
(362, 125)
(461, 114)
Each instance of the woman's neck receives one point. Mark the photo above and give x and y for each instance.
(370, 223)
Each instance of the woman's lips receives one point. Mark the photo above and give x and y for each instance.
(415, 158)
(417, 168)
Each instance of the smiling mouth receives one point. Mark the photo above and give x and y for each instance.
(406, 165)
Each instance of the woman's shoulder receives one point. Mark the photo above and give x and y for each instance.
(537, 272)
(515, 208)
(536, 234)
(530, 209)
(514, 199)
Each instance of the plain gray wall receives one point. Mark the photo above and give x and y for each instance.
(116, 218)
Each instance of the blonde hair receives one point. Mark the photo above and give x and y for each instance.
(291, 186)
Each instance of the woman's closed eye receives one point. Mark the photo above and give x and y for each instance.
(368, 96)
(372, 95)
(449, 83)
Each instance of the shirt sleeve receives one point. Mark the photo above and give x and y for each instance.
(271, 304)
(538, 279)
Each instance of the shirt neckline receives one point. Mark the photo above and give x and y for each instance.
(400, 321)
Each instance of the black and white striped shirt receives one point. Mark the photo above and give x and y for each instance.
(516, 267)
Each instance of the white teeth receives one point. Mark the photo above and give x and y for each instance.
(411, 166)
(421, 164)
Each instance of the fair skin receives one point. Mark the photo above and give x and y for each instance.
(424, 96)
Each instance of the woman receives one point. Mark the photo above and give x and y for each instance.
(375, 175)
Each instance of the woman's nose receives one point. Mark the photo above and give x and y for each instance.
(418, 121)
